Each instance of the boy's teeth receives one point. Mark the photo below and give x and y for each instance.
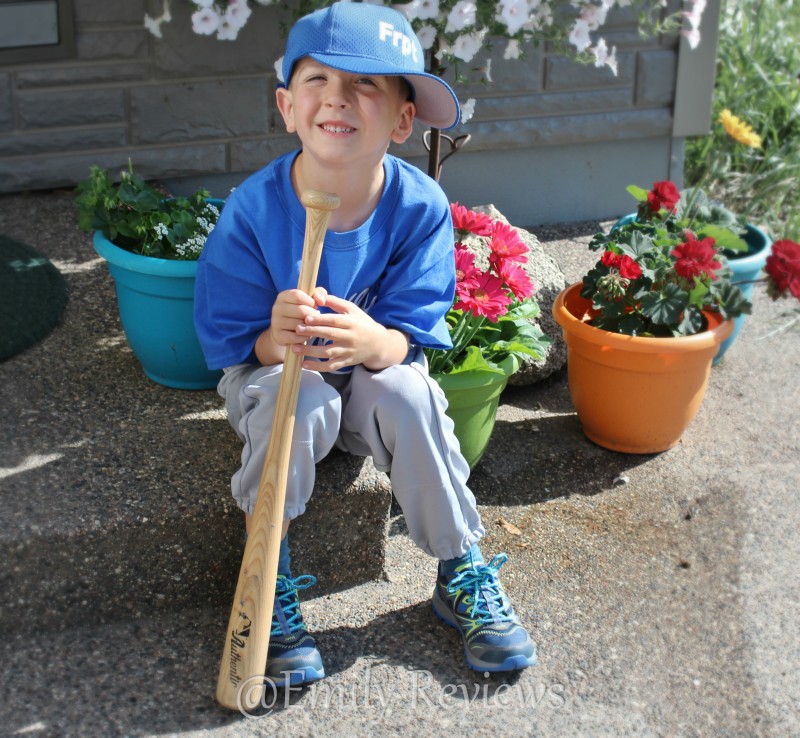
(337, 129)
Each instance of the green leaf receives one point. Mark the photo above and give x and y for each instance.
(724, 238)
(638, 193)
(731, 300)
(665, 306)
(474, 361)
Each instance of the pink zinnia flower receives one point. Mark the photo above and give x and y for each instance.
(465, 264)
(469, 221)
(487, 298)
(516, 279)
(506, 244)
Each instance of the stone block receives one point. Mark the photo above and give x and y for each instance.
(569, 129)
(70, 108)
(656, 74)
(183, 53)
(98, 12)
(518, 76)
(183, 112)
(561, 73)
(42, 142)
(251, 154)
(84, 75)
(109, 45)
(30, 173)
(551, 104)
(6, 108)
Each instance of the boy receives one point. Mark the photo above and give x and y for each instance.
(354, 82)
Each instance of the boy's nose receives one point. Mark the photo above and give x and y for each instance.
(337, 94)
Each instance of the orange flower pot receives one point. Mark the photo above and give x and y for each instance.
(634, 394)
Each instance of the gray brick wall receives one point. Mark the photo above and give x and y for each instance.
(194, 107)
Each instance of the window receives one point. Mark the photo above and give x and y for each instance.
(35, 30)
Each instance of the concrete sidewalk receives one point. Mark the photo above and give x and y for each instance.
(662, 590)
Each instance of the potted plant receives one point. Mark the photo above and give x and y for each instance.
(490, 325)
(645, 323)
(151, 242)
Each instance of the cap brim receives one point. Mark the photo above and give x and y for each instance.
(437, 104)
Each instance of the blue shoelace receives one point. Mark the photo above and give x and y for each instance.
(483, 586)
(286, 618)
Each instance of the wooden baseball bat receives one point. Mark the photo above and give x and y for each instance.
(240, 684)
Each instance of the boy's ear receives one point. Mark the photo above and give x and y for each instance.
(284, 99)
(405, 124)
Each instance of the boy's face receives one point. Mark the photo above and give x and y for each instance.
(342, 117)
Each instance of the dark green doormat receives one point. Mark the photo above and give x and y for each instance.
(32, 297)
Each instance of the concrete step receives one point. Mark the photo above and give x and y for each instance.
(115, 490)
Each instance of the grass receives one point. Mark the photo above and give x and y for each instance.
(758, 79)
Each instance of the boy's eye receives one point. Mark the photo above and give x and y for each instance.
(367, 81)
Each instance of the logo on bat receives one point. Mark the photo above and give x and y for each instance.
(239, 636)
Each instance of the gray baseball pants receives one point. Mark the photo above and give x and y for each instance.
(396, 415)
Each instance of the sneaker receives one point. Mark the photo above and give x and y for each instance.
(473, 602)
(293, 657)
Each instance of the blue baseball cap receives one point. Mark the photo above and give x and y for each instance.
(361, 38)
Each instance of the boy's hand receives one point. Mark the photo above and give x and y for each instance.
(289, 310)
(351, 337)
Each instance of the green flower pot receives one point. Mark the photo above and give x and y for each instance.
(472, 400)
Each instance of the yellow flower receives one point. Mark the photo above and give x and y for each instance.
(739, 130)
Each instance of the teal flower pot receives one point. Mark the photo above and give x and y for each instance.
(746, 267)
(472, 400)
(156, 307)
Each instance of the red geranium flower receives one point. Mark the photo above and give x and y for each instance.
(469, 221)
(627, 267)
(696, 258)
(783, 269)
(663, 195)
(506, 244)
(486, 298)
(516, 279)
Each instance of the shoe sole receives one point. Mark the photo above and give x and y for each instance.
(305, 675)
(512, 663)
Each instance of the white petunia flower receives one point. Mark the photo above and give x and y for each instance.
(153, 25)
(426, 36)
(579, 35)
(602, 57)
(264, 2)
(238, 13)
(692, 36)
(594, 15)
(514, 13)
(513, 50)
(444, 50)
(467, 110)
(227, 31)
(278, 65)
(461, 16)
(467, 45)
(205, 21)
(419, 9)
(204, 3)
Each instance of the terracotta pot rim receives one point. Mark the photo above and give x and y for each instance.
(720, 329)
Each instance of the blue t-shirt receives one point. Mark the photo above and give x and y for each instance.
(398, 266)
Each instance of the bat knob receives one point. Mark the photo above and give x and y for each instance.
(319, 200)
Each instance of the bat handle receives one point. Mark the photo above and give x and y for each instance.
(318, 207)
